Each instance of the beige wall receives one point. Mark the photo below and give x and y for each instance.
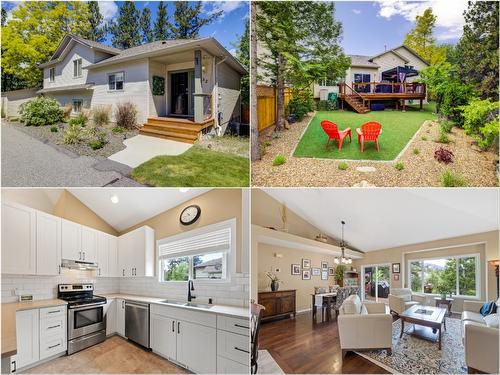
(35, 198)
(216, 205)
(70, 208)
(267, 261)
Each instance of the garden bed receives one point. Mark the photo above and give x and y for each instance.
(476, 167)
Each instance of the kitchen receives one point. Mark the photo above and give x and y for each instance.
(158, 278)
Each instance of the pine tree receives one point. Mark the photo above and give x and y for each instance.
(126, 29)
(243, 55)
(188, 20)
(147, 32)
(4, 16)
(97, 30)
(161, 28)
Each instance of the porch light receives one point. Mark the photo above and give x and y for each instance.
(114, 199)
(342, 259)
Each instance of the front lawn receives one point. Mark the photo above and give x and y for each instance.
(398, 128)
(198, 166)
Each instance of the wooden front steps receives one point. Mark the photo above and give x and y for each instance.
(356, 103)
(176, 129)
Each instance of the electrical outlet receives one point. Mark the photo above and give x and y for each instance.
(277, 270)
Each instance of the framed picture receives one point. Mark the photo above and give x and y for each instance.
(324, 266)
(306, 274)
(331, 271)
(306, 263)
(324, 275)
(316, 271)
(396, 267)
(295, 269)
(396, 277)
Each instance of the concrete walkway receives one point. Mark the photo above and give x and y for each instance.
(27, 161)
(141, 148)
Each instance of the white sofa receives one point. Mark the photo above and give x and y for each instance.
(364, 326)
(480, 336)
(401, 299)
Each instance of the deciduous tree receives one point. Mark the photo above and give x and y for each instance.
(126, 31)
(188, 20)
(161, 28)
(147, 32)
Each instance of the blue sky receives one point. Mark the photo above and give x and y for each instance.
(369, 25)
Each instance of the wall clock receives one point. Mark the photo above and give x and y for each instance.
(190, 214)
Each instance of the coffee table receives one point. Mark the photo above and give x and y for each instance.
(428, 316)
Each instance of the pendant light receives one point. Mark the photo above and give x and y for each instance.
(342, 259)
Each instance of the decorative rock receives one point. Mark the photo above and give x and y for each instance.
(363, 184)
(366, 169)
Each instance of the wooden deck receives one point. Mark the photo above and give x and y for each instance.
(175, 128)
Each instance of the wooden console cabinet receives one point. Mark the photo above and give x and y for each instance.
(278, 304)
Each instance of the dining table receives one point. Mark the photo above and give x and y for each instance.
(319, 299)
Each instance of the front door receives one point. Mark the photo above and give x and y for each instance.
(180, 93)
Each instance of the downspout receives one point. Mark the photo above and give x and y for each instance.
(218, 127)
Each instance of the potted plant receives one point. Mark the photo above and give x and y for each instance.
(275, 282)
(339, 274)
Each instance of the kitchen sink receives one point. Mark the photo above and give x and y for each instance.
(199, 305)
(173, 302)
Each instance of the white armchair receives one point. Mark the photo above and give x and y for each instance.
(480, 337)
(364, 326)
(401, 299)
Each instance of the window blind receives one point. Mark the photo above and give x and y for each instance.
(215, 241)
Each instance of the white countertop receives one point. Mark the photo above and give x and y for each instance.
(234, 311)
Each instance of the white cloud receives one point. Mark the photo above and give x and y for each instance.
(108, 10)
(449, 21)
(356, 11)
(226, 6)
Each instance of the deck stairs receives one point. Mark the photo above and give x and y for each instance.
(176, 129)
(356, 102)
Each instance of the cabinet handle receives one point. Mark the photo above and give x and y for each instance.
(123, 272)
(99, 272)
(54, 346)
(79, 255)
(51, 327)
(178, 327)
(84, 255)
(173, 326)
(241, 350)
(240, 326)
(123, 304)
(54, 311)
(15, 366)
(59, 270)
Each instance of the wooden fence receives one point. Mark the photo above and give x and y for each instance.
(266, 105)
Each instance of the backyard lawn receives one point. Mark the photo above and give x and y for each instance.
(398, 128)
(198, 166)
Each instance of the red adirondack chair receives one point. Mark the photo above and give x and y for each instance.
(369, 132)
(334, 133)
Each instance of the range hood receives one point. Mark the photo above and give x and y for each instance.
(78, 264)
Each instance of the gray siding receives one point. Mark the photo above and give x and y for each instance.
(229, 92)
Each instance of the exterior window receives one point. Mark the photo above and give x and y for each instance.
(115, 81)
(201, 254)
(77, 68)
(327, 82)
(77, 105)
(52, 74)
(456, 275)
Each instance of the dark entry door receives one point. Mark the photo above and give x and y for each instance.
(180, 93)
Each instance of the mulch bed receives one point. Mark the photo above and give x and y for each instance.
(43, 133)
(476, 166)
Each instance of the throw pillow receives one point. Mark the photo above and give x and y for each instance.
(491, 320)
(488, 308)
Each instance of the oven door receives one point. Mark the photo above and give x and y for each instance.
(85, 320)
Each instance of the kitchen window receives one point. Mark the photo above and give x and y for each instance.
(201, 254)
(458, 275)
(77, 68)
(115, 81)
(52, 74)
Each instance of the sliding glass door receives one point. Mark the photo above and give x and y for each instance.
(377, 282)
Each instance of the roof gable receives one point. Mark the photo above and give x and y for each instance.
(405, 60)
(413, 52)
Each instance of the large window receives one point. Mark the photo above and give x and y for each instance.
(52, 74)
(77, 68)
(457, 275)
(200, 254)
(115, 81)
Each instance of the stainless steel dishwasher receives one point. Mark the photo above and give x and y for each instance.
(137, 322)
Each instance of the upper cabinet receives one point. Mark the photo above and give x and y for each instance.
(103, 254)
(71, 240)
(136, 253)
(113, 256)
(48, 244)
(89, 244)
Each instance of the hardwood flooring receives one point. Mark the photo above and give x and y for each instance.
(115, 355)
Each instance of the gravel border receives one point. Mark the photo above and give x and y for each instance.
(422, 170)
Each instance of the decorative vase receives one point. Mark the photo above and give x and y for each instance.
(275, 286)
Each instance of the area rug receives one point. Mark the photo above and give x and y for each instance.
(267, 364)
(413, 355)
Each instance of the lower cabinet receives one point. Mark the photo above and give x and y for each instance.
(163, 336)
(120, 316)
(233, 345)
(110, 312)
(196, 347)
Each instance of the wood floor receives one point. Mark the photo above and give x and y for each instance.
(299, 346)
(115, 355)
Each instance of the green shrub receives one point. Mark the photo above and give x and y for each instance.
(73, 134)
(343, 166)
(54, 129)
(325, 105)
(443, 138)
(279, 160)
(79, 120)
(416, 151)
(489, 134)
(446, 126)
(481, 121)
(452, 95)
(98, 143)
(301, 104)
(451, 179)
(100, 115)
(267, 143)
(117, 130)
(399, 166)
(41, 111)
(90, 132)
(126, 115)
(423, 138)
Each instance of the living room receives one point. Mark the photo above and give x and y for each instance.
(392, 281)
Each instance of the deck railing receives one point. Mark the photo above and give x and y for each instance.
(385, 88)
(345, 89)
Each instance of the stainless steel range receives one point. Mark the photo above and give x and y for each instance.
(86, 319)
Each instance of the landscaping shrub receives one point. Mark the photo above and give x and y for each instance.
(416, 151)
(90, 132)
(443, 155)
(126, 115)
(100, 142)
(54, 129)
(451, 179)
(451, 96)
(325, 105)
(446, 126)
(80, 120)
(301, 104)
(279, 160)
(399, 166)
(343, 166)
(443, 138)
(73, 134)
(424, 138)
(41, 111)
(117, 130)
(481, 121)
(100, 115)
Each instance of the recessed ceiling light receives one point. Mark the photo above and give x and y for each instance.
(114, 199)
(184, 190)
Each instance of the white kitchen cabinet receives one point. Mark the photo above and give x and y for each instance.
(48, 244)
(110, 312)
(27, 337)
(136, 253)
(89, 244)
(71, 240)
(227, 366)
(233, 345)
(120, 316)
(113, 256)
(53, 331)
(103, 254)
(163, 336)
(196, 348)
(18, 239)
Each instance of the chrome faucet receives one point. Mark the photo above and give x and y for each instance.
(190, 288)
